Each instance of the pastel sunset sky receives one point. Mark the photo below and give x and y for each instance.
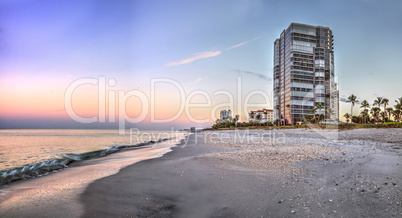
(209, 46)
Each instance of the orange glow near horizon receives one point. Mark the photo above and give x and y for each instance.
(44, 98)
(35, 97)
(30, 97)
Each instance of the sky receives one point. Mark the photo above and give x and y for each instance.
(160, 64)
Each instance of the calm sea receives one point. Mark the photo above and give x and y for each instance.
(30, 153)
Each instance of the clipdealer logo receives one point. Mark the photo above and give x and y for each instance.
(107, 100)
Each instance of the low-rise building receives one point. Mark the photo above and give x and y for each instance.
(266, 115)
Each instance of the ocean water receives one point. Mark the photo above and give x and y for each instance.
(57, 185)
(31, 153)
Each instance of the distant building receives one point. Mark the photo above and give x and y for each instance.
(225, 114)
(229, 113)
(267, 115)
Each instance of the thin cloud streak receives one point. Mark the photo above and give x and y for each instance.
(207, 54)
(200, 55)
(243, 43)
(197, 80)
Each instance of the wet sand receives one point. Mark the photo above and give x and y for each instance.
(280, 173)
(57, 194)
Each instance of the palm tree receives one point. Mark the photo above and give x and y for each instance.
(364, 114)
(319, 107)
(398, 104)
(352, 99)
(347, 116)
(389, 111)
(236, 119)
(397, 114)
(313, 110)
(375, 111)
(382, 114)
(258, 118)
(378, 102)
(385, 102)
(364, 105)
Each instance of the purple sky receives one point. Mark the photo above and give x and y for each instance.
(203, 45)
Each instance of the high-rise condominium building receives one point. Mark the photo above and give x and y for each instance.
(304, 73)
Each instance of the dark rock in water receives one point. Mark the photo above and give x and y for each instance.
(26, 177)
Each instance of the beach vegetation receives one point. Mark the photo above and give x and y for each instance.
(352, 99)
(347, 116)
(364, 104)
(370, 116)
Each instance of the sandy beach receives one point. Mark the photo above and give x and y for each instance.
(260, 173)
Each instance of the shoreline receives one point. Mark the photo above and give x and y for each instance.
(37, 170)
(198, 181)
(57, 194)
